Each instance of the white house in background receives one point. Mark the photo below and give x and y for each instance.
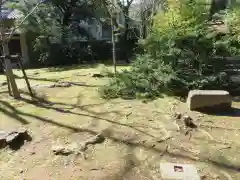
(19, 41)
(97, 29)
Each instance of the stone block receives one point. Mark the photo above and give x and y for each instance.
(209, 100)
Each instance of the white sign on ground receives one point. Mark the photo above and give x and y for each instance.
(172, 171)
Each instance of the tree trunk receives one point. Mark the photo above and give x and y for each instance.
(8, 65)
(9, 72)
(113, 48)
(25, 76)
(124, 39)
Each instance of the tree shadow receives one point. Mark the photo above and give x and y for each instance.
(72, 67)
(182, 155)
(225, 165)
(108, 133)
(19, 141)
(16, 114)
(85, 66)
(91, 114)
(95, 116)
(232, 112)
(4, 92)
(13, 113)
(37, 79)
(83, 84)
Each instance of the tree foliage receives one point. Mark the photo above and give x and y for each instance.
(180, 54)
(57, 26)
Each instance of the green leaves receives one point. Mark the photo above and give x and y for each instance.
(56, 24)
(179, 54)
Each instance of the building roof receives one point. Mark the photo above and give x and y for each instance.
(10, 14)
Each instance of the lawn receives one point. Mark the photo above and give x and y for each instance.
(135, 132)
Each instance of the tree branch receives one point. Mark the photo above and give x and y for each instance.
(16, 27)
(129, 2)
(120, 4)
(3, 2)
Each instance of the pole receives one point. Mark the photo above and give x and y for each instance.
(6, 57)
(113, 47)
(25, 76)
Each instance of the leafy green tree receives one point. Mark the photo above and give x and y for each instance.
(180, 54)
(56, 24)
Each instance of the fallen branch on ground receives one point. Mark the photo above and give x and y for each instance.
(127, 115)
(77, 149)
(206, 133)
(226, 147)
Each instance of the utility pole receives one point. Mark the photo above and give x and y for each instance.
(6, 58)
(113, 48)
(113, 40)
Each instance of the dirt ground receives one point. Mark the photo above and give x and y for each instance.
(135, 133)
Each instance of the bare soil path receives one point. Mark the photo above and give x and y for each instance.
(135, 133)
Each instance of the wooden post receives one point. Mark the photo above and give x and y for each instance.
(8, 83)
(24, 48)
(8, 65)
(10, 76)
(25, 76)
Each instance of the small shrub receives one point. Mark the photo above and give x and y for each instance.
(147, 79)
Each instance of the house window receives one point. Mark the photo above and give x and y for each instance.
(14, 47)
(90, 21)
(99, 31)
(106, 32)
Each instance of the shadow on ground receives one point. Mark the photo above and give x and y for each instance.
(85, 66)
(160, 148)
(232, 112)
(83, 84)
(72, 67)
(19, 141)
